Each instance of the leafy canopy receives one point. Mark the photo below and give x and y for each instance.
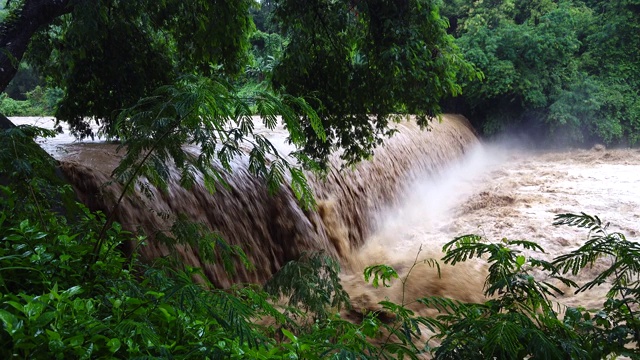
(559, 70)
(108, 55)
(363, 63)
(357, 64)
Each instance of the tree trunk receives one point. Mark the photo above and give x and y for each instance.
(5, 123)
(18, 28)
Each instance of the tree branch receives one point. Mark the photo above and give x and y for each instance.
(18, 29)
(5, 123)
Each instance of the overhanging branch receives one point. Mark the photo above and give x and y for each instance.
(18, 29)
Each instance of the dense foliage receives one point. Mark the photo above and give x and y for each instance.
(365, 62)
(38, 102)
(370, 62)
(66, 291)
(561, 70)
(106, 56)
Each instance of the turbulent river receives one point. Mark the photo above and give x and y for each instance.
(422, 190)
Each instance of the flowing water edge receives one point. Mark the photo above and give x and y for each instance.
(422, 190)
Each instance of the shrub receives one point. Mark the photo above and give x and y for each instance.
(39, 102)
(11, 107)
(522, 321)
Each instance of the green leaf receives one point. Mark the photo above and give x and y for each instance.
(114, 345)
(72, 291)
(290, 336)
(380, 272)
(76, 340)
(9, 321)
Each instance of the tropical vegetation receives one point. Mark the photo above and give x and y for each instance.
(562, 70)
(157, 74)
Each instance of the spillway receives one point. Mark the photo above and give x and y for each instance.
(272, 229)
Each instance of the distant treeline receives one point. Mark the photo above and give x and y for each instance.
(566, 72)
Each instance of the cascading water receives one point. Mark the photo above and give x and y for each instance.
(421, 189)
(274, 229)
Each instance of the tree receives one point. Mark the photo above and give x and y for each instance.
(559, 69)
(365, 62)
(358, 59)
(526, 62)
(616, 70)
(107, 55)
(96, 49)
(112, 59)
(19, 26)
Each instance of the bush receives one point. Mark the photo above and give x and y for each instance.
(522, 321)
(11, 107)
(39, 102)
(46, 99)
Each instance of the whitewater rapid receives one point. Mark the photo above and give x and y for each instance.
(499, 191)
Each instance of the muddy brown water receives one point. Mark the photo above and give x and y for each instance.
(420, 191)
